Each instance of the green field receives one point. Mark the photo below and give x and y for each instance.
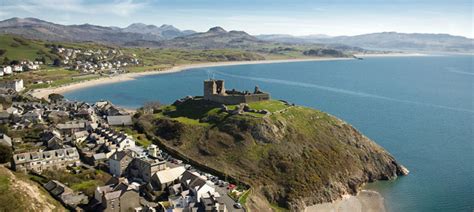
(17, 48)
(141, 138)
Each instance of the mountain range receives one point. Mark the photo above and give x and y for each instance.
(214, 38)
(385, 41)
(38, 29)
(168, 36)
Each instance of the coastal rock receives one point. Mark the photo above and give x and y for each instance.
(404, 171)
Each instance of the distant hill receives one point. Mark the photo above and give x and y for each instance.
(214, 38)
(166, 36)
(38, 29)
(284, 38)
(164, 31)
(387, 41)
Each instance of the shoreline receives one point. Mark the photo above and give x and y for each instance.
(44, 92)
(401, 54)
(365, 200)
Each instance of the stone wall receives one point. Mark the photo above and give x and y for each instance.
(237, 99)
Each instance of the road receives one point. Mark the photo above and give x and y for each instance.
(229, 202)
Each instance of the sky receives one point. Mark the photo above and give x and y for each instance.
(295, 17)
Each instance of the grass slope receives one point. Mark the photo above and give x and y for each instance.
(18, 193)
(295, 157)
(17, 48)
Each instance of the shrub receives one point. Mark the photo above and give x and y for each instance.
(5, 153)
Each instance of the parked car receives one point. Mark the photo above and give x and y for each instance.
(238, 206)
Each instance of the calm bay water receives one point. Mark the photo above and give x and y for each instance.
(421, 109)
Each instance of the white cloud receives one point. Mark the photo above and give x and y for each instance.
(4, 13)
(115, 7)
(124, 8)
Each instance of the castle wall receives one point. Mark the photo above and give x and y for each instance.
(214, 90)
(237, 99)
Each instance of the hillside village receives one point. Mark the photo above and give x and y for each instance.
(76, 139)
(83, 60)
(93, 60)
(56, 64)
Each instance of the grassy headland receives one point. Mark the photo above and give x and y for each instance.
(292, 158)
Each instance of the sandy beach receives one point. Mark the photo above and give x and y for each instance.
(365, 201)
(44, 92)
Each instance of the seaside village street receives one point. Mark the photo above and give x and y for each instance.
(87, 157)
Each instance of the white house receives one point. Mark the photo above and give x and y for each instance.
(7, 70)
(17, 68)
(32, 67)
(197, 184)
(200, 191)
(16, 85)
(5, 140)
(125, 143)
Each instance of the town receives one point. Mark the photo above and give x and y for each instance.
(58, 140)
(92, 60)
(58, 61)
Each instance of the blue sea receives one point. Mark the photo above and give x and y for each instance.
(421, 109)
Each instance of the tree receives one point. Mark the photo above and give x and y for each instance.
(41, 59)
(15, 62)
(56, 62)
(6, 61)
(4, 129)
(2, 51)
(54, 97)
(5, 153)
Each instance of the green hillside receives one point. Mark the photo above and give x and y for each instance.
(294, 157)
(17, 48)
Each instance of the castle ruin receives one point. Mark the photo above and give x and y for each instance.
(214, 90)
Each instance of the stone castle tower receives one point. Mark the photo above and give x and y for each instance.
(214, 90)
(213, 87)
